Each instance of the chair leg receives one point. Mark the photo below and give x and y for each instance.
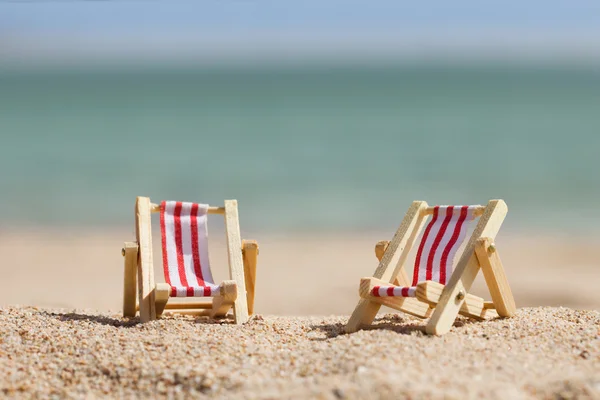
(161, 297)
(363, 315)
(223, 303)
(250, 255)
(407, 232)
(409, 306)
(366, 310)
(236, 263)
(495, 277)
(130, 253)
(145, 265)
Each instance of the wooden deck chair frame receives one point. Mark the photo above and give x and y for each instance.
(152, 298)
(441, 303)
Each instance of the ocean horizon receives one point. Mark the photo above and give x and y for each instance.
(313, 148)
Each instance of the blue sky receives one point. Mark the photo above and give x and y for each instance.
(70, 28)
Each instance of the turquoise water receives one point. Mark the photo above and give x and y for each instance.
(301, 148)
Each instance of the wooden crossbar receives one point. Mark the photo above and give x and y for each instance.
(211, 210)
(186, 306)
(195, 313)
(408, 305)
(478, 212)
(430, 292)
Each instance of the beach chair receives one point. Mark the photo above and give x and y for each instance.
(186, 264)
(436, 292)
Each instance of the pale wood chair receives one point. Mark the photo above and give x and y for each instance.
(186, 264)
(435, 291)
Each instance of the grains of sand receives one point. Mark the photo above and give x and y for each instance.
(540, 353)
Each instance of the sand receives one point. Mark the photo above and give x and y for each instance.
(540, 353)
(298, 274)
(74, 344)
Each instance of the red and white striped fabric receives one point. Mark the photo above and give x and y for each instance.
(435, 257)
(185, 249)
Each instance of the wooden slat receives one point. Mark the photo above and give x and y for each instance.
(430, 293)
(211, 210)
(189, 306)
(145, 265)
(236, 264)
(407, 232)
(250, 256)
(407, 305)
(495, 277)
(466, 270)
(477, 212)
(130, 250)
(489, 305)
(195, 313)
(171, 306)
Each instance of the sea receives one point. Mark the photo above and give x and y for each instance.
(336, 148)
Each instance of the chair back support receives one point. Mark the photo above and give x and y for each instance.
(184, 237)
(442, 238)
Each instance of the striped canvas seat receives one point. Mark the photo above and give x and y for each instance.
(441, 240)
(185, 249)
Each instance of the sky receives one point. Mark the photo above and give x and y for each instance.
(213, 29)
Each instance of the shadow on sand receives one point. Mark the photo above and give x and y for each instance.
(394, 323)
(391, 322)
(125, 322)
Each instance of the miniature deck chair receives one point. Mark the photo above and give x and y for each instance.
(186, 264)
(436, 291)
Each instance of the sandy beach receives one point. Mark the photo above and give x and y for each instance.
(543, 353)
(298, 274)
(62, 334)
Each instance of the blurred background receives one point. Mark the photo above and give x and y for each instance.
(324, 119)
